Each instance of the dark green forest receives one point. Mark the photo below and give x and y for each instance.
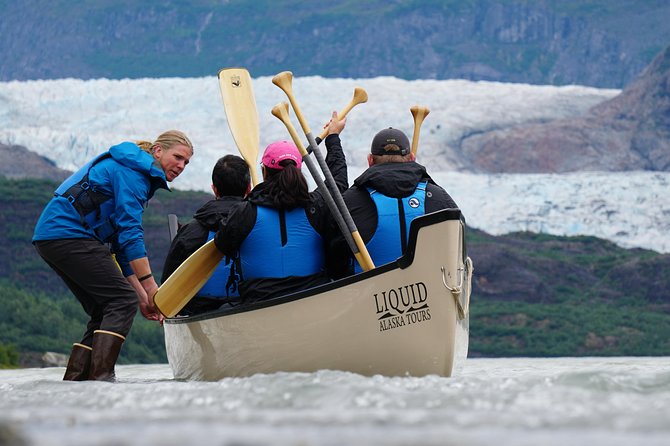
(533, 294)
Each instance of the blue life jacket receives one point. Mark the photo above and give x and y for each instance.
(281, 244)
(221, 284)
(105, 200)
(95, 208)
(394, 216)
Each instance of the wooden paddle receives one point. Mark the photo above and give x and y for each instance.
(284, 81)
(281, 111)
(194, 272)
(240, 106)
(360, 96)
(419, 112)
(186, 280)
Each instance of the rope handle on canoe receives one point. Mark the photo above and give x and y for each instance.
(456, 291)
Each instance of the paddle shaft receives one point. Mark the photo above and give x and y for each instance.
(187, 280)
(281, 112)
(419, 113)
(360, 96)
(362, 256)
(283, 81)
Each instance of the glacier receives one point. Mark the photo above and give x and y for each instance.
(71, 120)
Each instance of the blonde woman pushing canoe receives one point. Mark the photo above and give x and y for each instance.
(99, 205)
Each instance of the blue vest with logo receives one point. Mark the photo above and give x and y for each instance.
(221, 284)
(281, 244)
(394, 216)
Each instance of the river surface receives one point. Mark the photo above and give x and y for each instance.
(520, 401)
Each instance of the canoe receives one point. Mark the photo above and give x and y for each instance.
(406, 318)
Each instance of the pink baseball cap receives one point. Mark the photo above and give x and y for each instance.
(279, 151)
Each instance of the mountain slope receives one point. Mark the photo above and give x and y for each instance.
(19, 162)
(603, 43)
(628, 132)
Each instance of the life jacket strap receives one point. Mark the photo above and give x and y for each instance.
(85, 199)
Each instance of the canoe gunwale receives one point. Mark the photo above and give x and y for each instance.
(402, 262)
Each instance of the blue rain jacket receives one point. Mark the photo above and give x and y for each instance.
(128, 177)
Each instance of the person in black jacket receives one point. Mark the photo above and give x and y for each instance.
(230, 184)
(385, 198)
(280, 233)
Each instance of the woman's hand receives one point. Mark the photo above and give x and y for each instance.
(146, 289)
(146, 300)
(147, 307)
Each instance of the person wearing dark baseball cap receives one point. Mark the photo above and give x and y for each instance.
(280, 234)
(390, 141)
(384, 200)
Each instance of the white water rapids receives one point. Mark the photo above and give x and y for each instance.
(520, 401)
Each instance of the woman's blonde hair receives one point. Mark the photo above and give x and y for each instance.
(166, 140)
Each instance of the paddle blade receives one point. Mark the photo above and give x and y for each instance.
(240, 106)
(191, 275)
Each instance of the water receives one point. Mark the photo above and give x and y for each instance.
(521, 401)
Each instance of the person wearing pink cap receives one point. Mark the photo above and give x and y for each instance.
(280, 234)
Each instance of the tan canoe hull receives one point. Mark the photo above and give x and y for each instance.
(394, 321)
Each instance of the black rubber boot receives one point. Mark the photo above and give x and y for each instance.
(106, 349)
(79, 364)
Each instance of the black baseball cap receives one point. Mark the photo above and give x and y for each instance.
(388, 137)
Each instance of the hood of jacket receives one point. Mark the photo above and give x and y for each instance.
(130, 155)
(211, 213)
(260, 195)
(395, 180)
